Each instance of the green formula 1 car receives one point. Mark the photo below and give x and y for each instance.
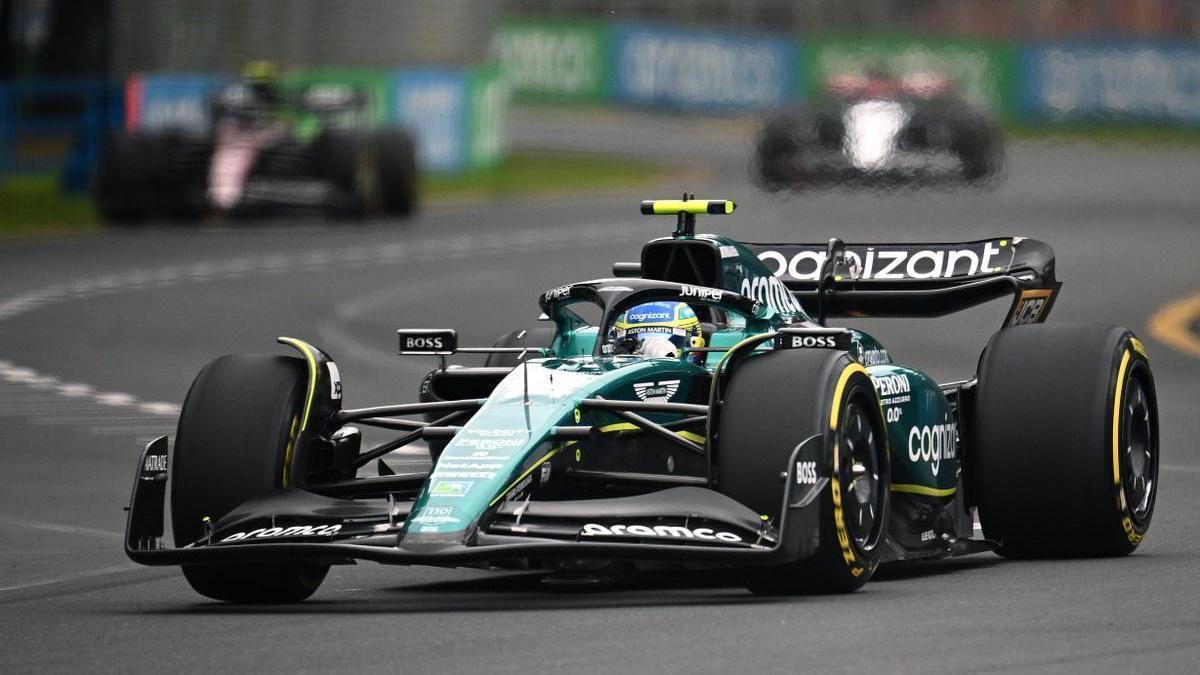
(711, 416)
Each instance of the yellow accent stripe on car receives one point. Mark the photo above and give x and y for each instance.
(287, 452)
(305, 349)
(520, 478)
(628, 426)
(922, 490)
(1116, 419)
(670, 207)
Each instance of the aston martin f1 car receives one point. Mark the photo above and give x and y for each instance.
(265, 152)
(767, 441)
(880, 130)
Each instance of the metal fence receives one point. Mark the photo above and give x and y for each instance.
(222, 35)
(1007, 19)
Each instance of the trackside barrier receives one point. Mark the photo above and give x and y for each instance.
(55, 125)
(155, 101)
(1129, 81)
(651, 65)
(702, 69)
(555, 61)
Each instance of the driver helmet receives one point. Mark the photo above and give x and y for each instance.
(262, 78)
(674, 322)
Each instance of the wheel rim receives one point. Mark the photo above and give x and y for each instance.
(859, 471)
(1139, 457)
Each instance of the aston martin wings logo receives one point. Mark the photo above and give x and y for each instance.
(656, 392)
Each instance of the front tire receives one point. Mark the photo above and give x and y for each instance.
(1065, 441)
(775, 401)
(236, 440)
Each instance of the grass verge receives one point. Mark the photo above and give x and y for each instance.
(32, 204)
(540, 173)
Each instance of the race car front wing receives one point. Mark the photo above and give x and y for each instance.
(684, 524)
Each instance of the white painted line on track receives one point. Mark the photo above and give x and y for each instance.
(458, 246)
(1181, 469)
(101, 572)
(25, 523)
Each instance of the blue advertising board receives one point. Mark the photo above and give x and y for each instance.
(1129, 81)
(156, 101)
(433, 103)
(701, 69)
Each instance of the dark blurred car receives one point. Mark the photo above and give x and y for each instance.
(880, 130)
(264, 152)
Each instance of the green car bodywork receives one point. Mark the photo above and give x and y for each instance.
(508, 444)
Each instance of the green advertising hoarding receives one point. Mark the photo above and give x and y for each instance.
(487, 108)
(983, 71)
(556, 61)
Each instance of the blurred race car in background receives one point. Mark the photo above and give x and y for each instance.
(264, 151)
(879, 129)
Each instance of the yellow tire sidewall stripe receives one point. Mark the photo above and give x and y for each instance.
(305, 349)
(1116, 422)
(849, 555)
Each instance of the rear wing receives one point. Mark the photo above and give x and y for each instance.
(921, 280)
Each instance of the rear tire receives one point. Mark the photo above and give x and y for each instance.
(236, 435)
(346, 161)
(123, 179)
(1051, 478)
(775, 401)
(397, 171)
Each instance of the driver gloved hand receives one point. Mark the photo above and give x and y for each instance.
(659, 349)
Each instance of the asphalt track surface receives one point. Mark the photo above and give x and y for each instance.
(101, 335)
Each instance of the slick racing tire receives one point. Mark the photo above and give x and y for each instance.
(1064, 448)
(976, 139)
(346, 159)
(162, 175)
(784, 142)
(236, 434)
(123, 177)
(780, 144)
(396, 167)
(777, 400)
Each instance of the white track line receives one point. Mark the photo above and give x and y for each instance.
(103, 571)
(459, 246)
(1181, 469)
(25, 523)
